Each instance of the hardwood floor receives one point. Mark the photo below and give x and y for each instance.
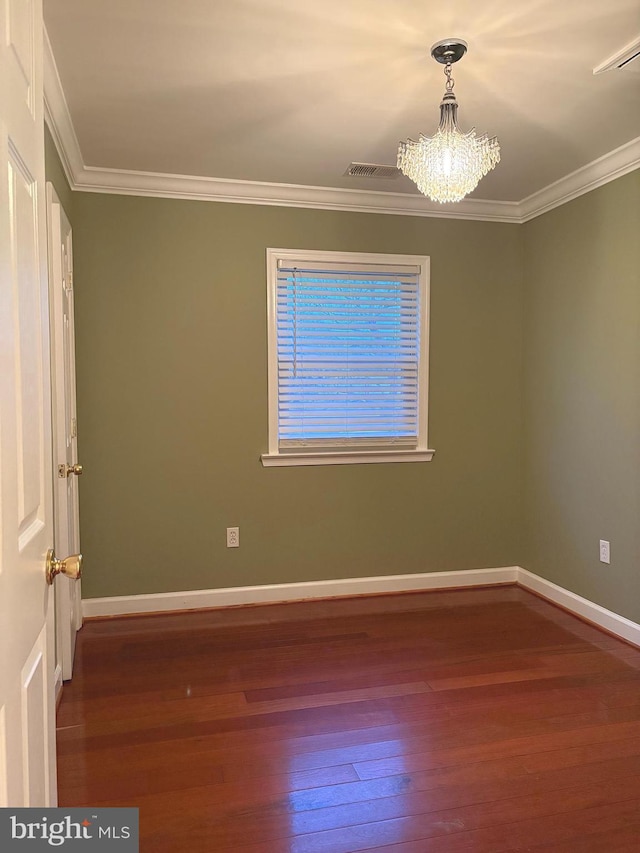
(477, 720)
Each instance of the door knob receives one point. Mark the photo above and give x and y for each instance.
(67, 470)
(71, 567)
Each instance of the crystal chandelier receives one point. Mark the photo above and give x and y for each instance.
(448, 165)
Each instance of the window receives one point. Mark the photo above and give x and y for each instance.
(348, 346)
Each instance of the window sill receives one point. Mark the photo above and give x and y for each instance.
(273, 460)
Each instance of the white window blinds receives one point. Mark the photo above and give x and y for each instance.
(348, 345)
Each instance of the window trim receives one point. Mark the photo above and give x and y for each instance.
(279, 457)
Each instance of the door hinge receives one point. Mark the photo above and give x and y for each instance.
(68, 283)
(74, 428)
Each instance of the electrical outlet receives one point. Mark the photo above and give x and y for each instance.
(233, 537)
(605, 552)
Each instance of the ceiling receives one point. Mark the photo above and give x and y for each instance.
(293, 91)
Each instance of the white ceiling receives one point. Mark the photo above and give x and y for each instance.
(292, 91)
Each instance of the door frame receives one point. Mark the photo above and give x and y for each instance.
(68, 600)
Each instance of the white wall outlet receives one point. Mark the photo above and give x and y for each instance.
(233, 537)
(605, 551)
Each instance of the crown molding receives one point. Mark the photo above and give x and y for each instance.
(161, 185)
(607, 168)
(58, 117)
(125, 182)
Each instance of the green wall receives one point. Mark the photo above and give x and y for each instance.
(534, 405)
(172, 399)
(582, 395)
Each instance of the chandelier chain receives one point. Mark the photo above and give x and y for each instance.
(450, 80)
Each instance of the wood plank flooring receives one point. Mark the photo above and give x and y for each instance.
(473, 720)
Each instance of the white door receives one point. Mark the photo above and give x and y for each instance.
(65, 431)
(27, 711)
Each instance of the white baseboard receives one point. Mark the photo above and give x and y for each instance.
(272, 593)
(594, 613)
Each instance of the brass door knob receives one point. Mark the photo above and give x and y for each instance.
(71, 567)
(68, 470)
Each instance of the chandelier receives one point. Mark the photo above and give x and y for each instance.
(448, 165)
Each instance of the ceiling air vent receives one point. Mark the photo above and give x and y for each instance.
(623, 59)
(372, 170)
